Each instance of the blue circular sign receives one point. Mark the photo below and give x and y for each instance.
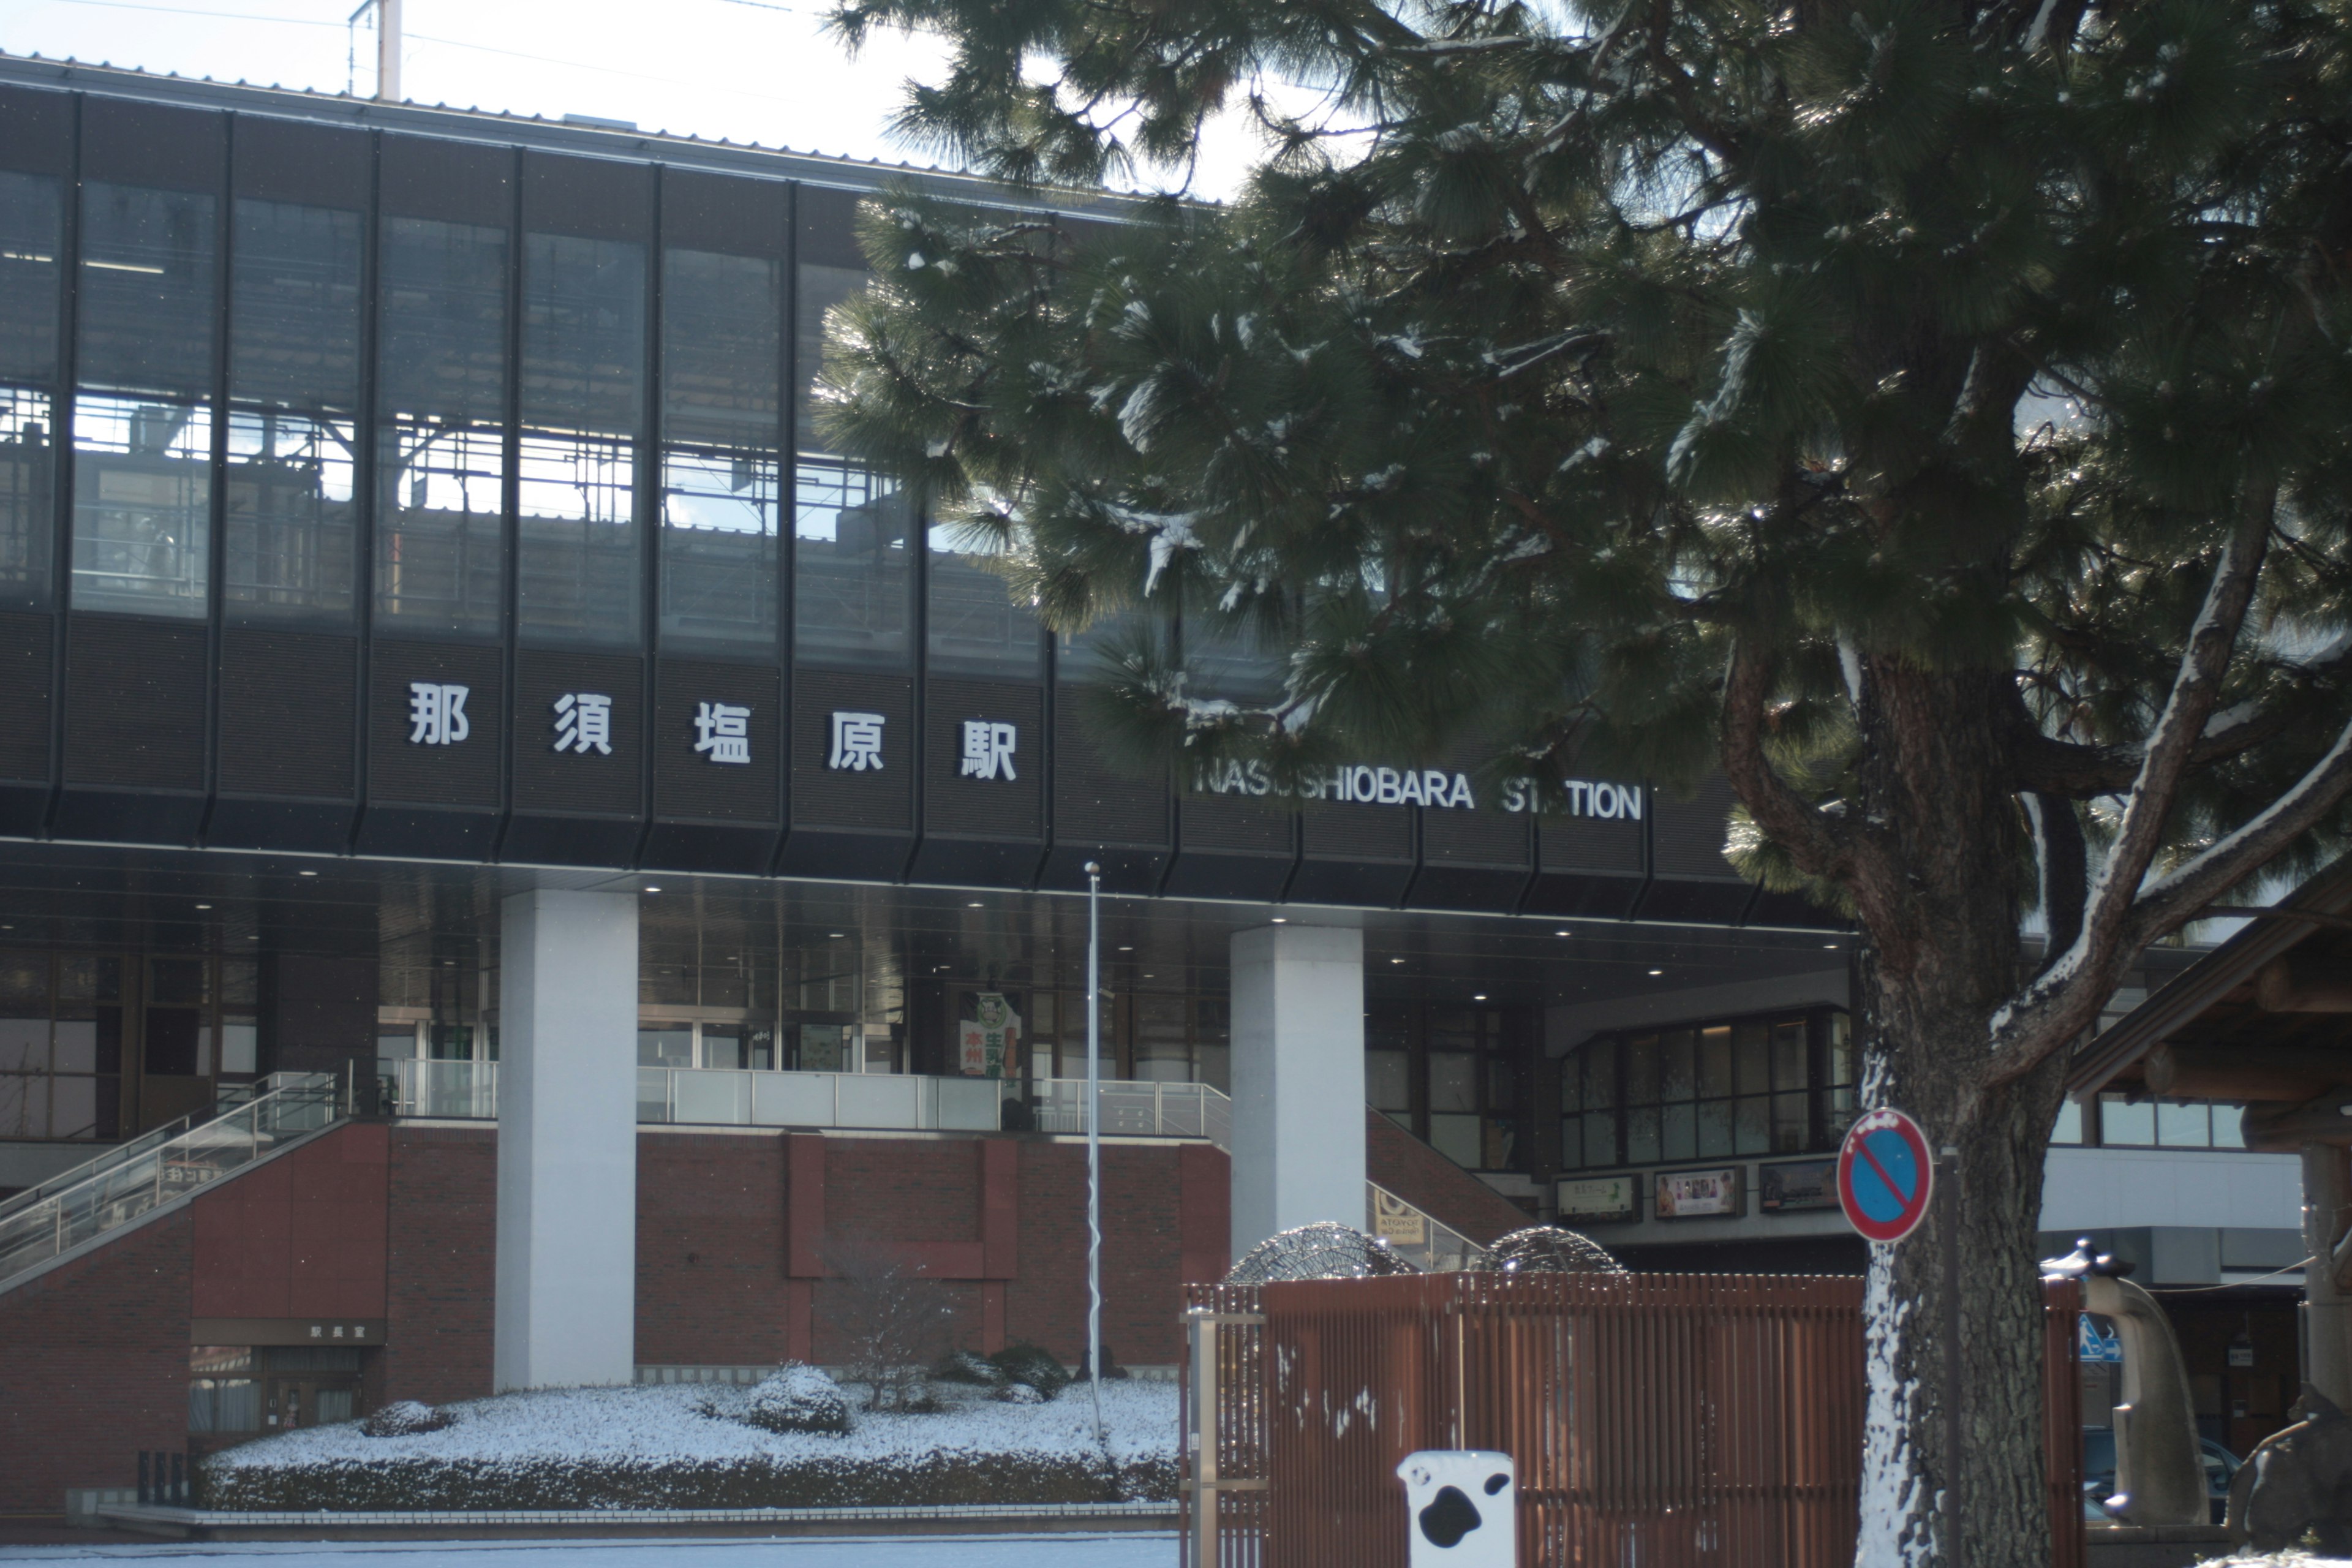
(1885, 1176)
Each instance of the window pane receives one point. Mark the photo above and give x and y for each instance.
(1571, 1086)
(74, 1107)
(441, 446)
(1601, 1075)
(2126, 1124)
(1571, 1142)
(1713, 1127)
(31, 221)
(25, 1044)
(2184, 1126)
(146, 299)
(666, 1046)
(30, 273)
(143, 506)
(582, 404)
(1680, 1134)
(1641, 1070)
(1452, 1081)
(24, 1105)
(1502, 1083)
(1600, 1138)
(1501, 1146)
(294, 307)
(1162, 1054)
(1751, 1057)
(1751, 1125)
(1841, 1064)
(1714, 1062)
(75, 1045)
(293, 532)
(1789, 1054)
(294, 331)
(2229, 1132)
(1792, 1129)
(2069, 1128)
(28, 491)
(1642, 1147)
(1677, 1053)
(1388, 1080)
(1456, 1138)
(722, 338)
(852, 571)
(726, 1047)
(974, 627)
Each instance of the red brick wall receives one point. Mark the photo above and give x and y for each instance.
(1426, 1179)
(441, 1257)
(299, 1237)
(94, 1367)
(712, 1289)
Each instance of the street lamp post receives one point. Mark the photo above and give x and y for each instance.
(1094, 1141)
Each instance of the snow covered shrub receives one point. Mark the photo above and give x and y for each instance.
(404, 1418)
(798, 1398)
(1027, 1363)
(1020, 1394)
(962, 1366)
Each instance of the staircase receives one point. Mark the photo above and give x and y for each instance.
(136, 1178)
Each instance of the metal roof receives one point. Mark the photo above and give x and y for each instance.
(506, 129)
(2203, 985)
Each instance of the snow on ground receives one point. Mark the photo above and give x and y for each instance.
(1138, 1550)
(664, 1422)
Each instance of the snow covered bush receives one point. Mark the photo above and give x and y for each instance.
(895, 1321)
(1025, 1364)
(1020, 1394)
(656, 1446)
(962, 1366)
(403, 1418)
(798, 1398)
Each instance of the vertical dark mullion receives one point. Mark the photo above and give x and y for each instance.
(648, 504)
(363, 477)
(61, 466)
(216, 546)
(918, 542)
(788, 489)
(511, 506)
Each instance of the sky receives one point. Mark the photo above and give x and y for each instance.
(749, 70)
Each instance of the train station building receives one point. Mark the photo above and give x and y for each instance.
(541, 868)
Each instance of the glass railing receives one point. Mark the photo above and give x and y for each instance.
(1133, 1109)
(713, 1097)
(147, 1173)
(1418, 1236)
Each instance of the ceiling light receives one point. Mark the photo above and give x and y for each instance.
(1655, 972)
(306, 873)
(1563, 934)
(1480, 997)
(1830, 946)
(653, 889)
(1396, 961)
(1281, 919)
(1127, 949)
(204, 906)
(973, 905)
(833, 936)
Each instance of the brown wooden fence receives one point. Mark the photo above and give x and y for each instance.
(1657, 1421)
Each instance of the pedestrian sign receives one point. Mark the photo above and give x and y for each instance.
(1885, 1176)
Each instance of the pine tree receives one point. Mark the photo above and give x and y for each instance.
(1933, 414)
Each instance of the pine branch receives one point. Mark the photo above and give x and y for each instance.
(2064, 1001)
(1821, 845)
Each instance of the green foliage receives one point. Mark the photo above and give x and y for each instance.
(1553, 352)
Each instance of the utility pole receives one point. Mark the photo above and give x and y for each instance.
(387, 50)
(1094, 1142)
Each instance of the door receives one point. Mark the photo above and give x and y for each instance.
(310, 1399)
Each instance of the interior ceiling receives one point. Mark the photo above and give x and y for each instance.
(101, 895)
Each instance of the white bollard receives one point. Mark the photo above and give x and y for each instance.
(1463, 1509)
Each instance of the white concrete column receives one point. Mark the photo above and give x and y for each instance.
(567, 1235)
(1298, 1079)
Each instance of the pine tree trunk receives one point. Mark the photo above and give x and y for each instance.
(1941, 954)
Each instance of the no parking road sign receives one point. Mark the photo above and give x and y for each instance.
(1885, 1175)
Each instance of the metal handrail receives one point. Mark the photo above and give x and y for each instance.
(230, 1096)
(107, 1194)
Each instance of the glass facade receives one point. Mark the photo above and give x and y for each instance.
(32, 222)
(441, 453)
(1760, 1085)
(294, 388)
(577, 547)
(722, 484)
(853, 533)
(143, 418)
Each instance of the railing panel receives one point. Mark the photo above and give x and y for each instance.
(713, 1097)
(791, 1098)
(970, 1104)
(880, 1100)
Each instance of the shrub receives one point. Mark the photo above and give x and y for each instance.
(1019, 1363)
(797, 1399)
(962, 1366)
(894, 1319)
(1020, 1394)
(404, 1418)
